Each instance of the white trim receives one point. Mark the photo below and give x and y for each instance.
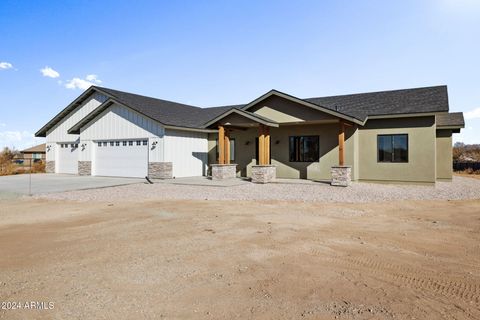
(302, 102)
(242, 113)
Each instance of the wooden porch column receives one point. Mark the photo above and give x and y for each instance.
(221, 145)
(267, 145)
(341, 144)
(227, 146)
(261, 145)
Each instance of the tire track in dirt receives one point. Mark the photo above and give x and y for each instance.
(414, 278)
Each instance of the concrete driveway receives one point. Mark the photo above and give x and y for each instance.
(11, 186)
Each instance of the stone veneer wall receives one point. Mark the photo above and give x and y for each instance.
(341, 176)
(223, 171)
(85, 168)
(263, 173)
(50, 167)
(160, 170)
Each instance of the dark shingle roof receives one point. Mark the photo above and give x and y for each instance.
(358, 106)
(406, 101)
(166, 112)
(454, 119)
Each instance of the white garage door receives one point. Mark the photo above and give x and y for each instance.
(67, 161)
(121, 158)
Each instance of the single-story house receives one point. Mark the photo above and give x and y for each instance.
(35, 152)
(389, 136)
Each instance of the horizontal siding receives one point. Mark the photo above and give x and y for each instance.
(188, 151)
(59, 132)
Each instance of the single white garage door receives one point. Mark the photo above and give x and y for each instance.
(121, 158)
(67, 158)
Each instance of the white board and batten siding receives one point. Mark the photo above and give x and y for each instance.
(58, 134)
(120, 142)
(121, 123)
(188, 151)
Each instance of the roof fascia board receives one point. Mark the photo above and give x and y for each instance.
(242, 113)
(75, 129)
(402, 115)
(450, 127)
(189, 129)
(302, 102)
(102, 108)
(42, 132)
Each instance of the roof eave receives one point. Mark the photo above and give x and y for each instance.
(242, 113)
(75, 129)
(452, 127)
(305, 103)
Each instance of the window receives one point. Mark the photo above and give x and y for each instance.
(139, 142)
(130, 143)
(124, 143)
(76, 145)
(392, 148)
(304, 148)
(104, 143)
(99, 144)
(145, 142)
(117, 143)
(111, 143)
(232, 150)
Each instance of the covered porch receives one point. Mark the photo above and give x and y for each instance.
(253, 146)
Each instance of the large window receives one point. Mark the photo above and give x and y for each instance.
(232, 150)
(304, 149)
(392, 148)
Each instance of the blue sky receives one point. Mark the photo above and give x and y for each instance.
(209, 53)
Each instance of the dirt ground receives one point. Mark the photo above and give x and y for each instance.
(240, 260)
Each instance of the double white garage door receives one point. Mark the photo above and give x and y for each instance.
(120, 158)
(114, 158)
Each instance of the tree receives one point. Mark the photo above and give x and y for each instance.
(6, 157)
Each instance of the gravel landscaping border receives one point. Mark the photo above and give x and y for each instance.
(459, 189)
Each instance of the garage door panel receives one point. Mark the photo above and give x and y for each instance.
(67, 161)
(126, 158)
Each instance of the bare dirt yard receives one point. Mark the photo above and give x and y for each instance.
(182, 259)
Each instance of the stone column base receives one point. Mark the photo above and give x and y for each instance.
(84, 168)
(341, 176)
(50, 167)
(160, 170)
(223, 171)
(263, 173)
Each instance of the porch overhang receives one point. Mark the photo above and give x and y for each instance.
(277, 93)
(252, 118)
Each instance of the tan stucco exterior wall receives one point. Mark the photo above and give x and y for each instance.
(285, 111)
(328, 136)
(421, 166)
(444, 155)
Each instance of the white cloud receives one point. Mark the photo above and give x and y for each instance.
(49, 72)
(93, 78)
(18, 139)
(77, 83)
(5, 65)
(473, 114)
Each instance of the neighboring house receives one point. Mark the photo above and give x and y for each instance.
(36, 152)
(389, 136)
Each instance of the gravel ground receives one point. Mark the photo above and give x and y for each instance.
(459, 189)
